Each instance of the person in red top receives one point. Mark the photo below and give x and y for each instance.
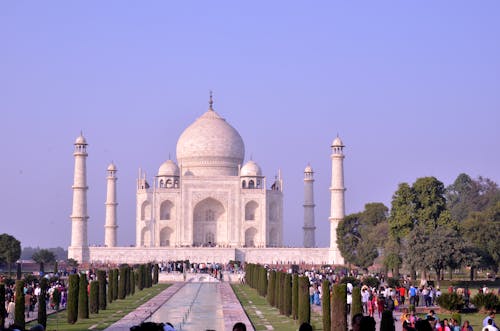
(402, 293)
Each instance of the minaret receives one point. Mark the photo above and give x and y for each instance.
(309, 228)
(110, 225)
(337, 190)
(79, 249)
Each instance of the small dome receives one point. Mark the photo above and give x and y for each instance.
(81, 140)
(251, 169)
(308, 169)
(168, 168)
(111, 167)
(337, 142)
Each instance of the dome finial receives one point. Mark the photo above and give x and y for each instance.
(211, 101)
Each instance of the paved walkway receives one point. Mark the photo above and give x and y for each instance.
(201, 303)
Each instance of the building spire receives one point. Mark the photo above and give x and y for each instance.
(211, 101)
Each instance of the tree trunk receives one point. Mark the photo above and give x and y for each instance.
(450, 271)
(472, 272)
(438, 276)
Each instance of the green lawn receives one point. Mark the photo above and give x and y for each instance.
(252, 302)
(114, 312)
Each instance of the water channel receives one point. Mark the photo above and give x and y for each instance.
(196, 306)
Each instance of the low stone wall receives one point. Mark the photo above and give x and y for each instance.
(212, 254)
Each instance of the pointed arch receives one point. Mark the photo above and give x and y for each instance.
(166, 208)
(145, 210)
(208, 215)
(250, 210)
(145, 237)
(166, 237)
(250, 237)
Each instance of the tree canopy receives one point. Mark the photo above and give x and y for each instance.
(10, 249)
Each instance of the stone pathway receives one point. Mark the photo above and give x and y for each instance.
(199, 304)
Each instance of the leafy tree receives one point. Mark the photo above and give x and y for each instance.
(359, 235)
(10, 250)
(481, 230)
(392, 258)
(42, 257)
(72, 307)
(437, 249)
(42, 303)
(402, 216)
(430, 201)
(466, 196)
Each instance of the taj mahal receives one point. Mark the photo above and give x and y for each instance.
(210, 205)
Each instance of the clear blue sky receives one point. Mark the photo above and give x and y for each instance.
(412, 87)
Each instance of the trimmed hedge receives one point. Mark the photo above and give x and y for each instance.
(94, 297)
(83, 298)
(270, 287)
(356, 306)
(19, 317)
(295, 296)
(122, 283)
(110, 285)
(42, 302)
(488, 301)
(339, 307)
(101, 279)
(304, 315)
(288, 294)
(156, 273)
(72, 307)
(451, 301)
(115, 284)
(325, 304)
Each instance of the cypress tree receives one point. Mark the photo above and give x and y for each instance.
(282, 293)
(339, 307)
(127, 281)
(56, 269)
(3, 312)
(56, 298)
(101, 278)
(277, 293)
(115, 284)
(149, 276)
(83, 298)
(325, 304)
(295, 296)
(356, 305)
(122, 285)
(19, 317)
(304, 315)
(72, 308)
(94, 297)
(270, 287)
(132, 280)
(42, 303)
(288, 294)
(156, 273)
(140, 277)
(264, 281)
(110, 285)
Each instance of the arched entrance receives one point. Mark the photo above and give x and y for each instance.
(250, 236)
(208, 217)
(165, 235)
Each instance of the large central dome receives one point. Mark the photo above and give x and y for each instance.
(210, 147)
